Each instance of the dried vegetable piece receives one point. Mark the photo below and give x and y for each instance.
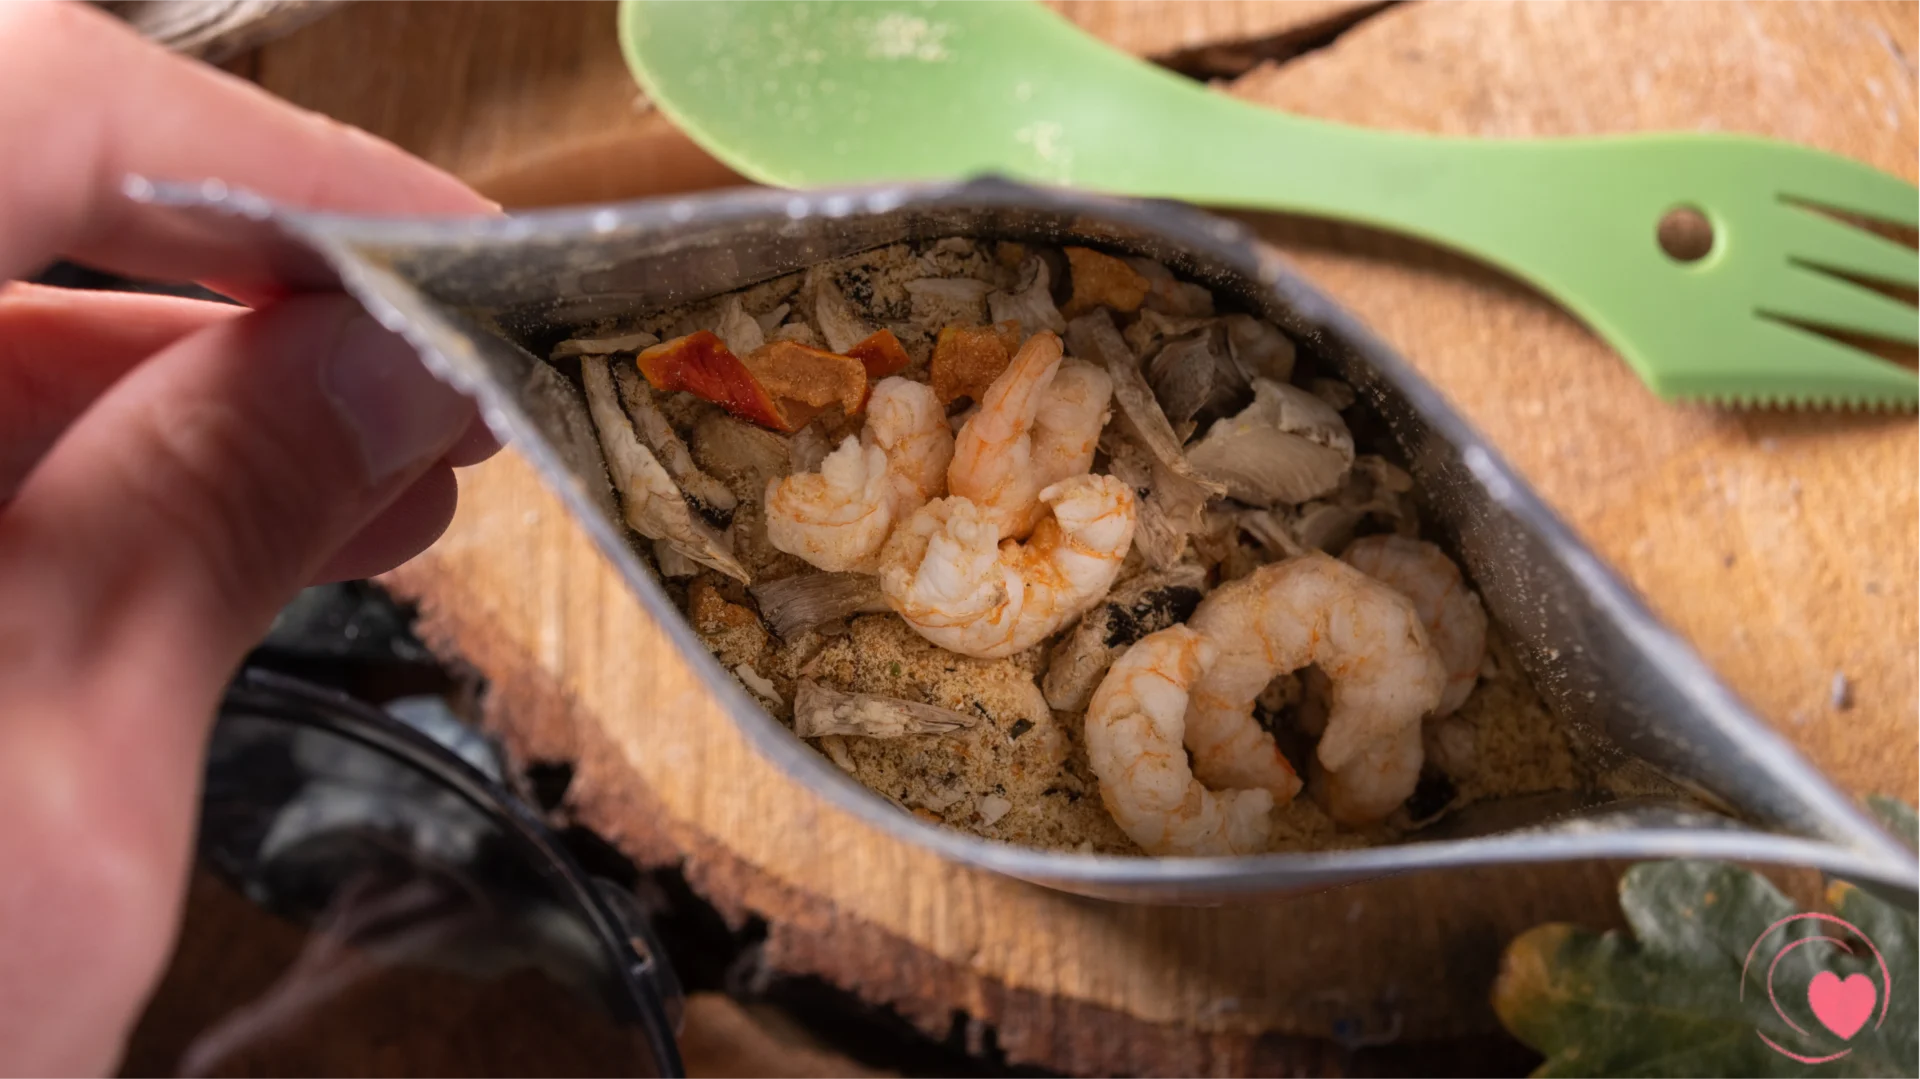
(1146, 604)
(708, 495)
(1284, 449)
(794, 604)
(881, 354)
(604, 346)
(1030, 306)
(820, 710)
(1100, 280)
(650, 501)
(814, 377)
(967, 359)
(702, 365)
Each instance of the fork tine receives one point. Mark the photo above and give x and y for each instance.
(1783, 364)
(1813, 237)
(1804, 294)
(1841, 183)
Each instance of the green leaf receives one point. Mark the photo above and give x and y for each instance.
(1897, 817)
(1666, 997)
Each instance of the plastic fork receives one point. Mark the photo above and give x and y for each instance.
(803, 94)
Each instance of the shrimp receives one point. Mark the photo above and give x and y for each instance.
(1365, 637)
(1374, 783)
(836, 518)
(948, 573)
(1036, 425)
(1455, 621)
(839, 517)
(1072, 414)
(905, 420)
(1133, 734)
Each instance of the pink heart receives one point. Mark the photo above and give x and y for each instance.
(1842, 1006)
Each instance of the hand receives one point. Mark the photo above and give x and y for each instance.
(171, 473)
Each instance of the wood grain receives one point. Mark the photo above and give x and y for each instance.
(532, 104)
(1782, 546)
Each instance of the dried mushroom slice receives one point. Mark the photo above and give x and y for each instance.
(1168, 294)
(604, 346)
(1286, 448)
(1259, 349)
(650, 502)
(1195, 381)
(1152, 329)
(949, 301)
(708, 495)
(746, 456)
(1146, 604)
(1030, 305)
(741, 331)
(820, 711)
(1144, 449)
(792, 605)
(833, 314)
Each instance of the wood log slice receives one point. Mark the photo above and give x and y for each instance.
(1781, 545)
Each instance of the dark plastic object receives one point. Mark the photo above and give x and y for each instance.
(399, 859)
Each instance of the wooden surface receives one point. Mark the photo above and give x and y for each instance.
(233, 955)
(1783, 546)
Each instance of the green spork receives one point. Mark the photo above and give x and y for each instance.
(805, 94)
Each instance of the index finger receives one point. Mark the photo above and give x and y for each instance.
(84, 102)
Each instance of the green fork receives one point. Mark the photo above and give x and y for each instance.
(803, 94)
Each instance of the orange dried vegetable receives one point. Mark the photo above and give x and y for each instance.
(1103, 281)
(881, 354)
(700, 364)
(966, 359)
(793, 372)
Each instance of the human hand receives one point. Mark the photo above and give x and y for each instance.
(171, 473)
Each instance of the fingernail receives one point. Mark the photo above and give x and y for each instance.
(398, 412)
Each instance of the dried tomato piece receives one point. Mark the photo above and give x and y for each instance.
(966, 359)
(791, 371)
(700, 364)
(881, 354)
(1103, 281)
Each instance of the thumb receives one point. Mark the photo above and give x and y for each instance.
(165, 528)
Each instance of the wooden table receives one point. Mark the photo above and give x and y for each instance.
(1781, 545)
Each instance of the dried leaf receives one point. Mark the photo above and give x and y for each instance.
(821, 710)
(1702, 983)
